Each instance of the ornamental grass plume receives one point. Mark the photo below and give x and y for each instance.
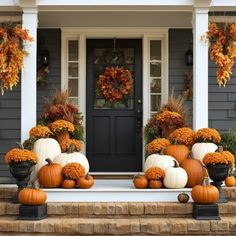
(73, 171)
(154, 173)
(207, 135)
(157, 145)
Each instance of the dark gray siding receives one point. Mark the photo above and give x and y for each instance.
(52, 39)
(222, 101)
(10, 114)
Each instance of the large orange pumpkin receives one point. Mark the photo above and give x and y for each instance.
(50, 175)
(32, 196)
(205, 193)
(179, 152)
(196, 172)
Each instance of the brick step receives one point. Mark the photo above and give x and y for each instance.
(124, 226)
(119, 209)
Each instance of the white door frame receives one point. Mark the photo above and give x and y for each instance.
(146, 34)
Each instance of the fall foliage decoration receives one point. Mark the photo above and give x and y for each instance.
(115, 84)
(154, 173)
(73, 170)
(59, 126)
(222, 41)
(66, 143)
(40, 131)
(12, 53)
(140, 181)
(207, 135)
(184, 136)
(157, 145)
(19, 155)
(85, 181)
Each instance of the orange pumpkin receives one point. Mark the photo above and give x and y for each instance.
(50, 175)
(196, 172)
(155, 183)
(140, 181)
(32, 196)
(205, 193)
(68, 183)
(230, 181)
(85, 181)
(179, 152)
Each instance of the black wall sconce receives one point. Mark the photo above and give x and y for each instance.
(189, 57)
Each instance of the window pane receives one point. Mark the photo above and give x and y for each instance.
(73, 50)
(73, 87)
(155, 69)
(155, 86)
(73, 70)
(155, 102)
(155, 50)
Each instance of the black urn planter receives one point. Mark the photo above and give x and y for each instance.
(21, 172)
(218, 174)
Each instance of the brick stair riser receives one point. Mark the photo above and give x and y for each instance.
(118, 210)
(142, 226)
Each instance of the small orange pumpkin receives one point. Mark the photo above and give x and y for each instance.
(32, 196)
(68, 183)
(140, 181)
(230, 181)
(179, 152)
(50, 175)
(85, 181)
(155, 184)
(205, 193)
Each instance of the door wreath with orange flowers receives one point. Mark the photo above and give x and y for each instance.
(115, 84)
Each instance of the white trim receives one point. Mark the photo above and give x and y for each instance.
(144, 33)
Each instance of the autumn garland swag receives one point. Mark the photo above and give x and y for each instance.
(12, 53)
(115, 84)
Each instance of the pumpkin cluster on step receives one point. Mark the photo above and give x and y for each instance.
(180, 159)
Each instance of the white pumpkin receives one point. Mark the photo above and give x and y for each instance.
(199, 150)
(44, 148)
(175, 177)
(158, 160)
(65, 158)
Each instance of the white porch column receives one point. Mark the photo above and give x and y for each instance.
(28, 74)
(200, 67)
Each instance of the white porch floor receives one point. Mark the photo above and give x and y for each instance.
(107, 190)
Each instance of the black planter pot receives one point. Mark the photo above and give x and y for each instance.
(218, 173)
(21, 172)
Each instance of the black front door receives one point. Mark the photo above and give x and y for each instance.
(114, 129)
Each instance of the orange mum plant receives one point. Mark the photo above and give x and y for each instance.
(20, 155)
(40, 131)
(157, 145)
(221, 157)
(185, 136)
(73, 170)
(11, 54)
(207, 135)
(222, 49)
(59, 126)
(66, 143)
(154, 173)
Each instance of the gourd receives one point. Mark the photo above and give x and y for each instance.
(71, 157)
(85, 181)
(155, 184)
(140, 181)
(158, 160)
(199, 150)
(205, 193)
(44, 148)
(183, 197)
(50, 175)
(32, 196)
(68, 183)
(175, 177)
(194, 169)
(179, 152)
(230, 181)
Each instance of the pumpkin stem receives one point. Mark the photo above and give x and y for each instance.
(176, 164)
(220, 149)
(206, 171)
(190, 155)
(20, 145)
(175, 142)
(71, 148)
(87, 176)
(136, 176)
(49, 161)
(206, 181)
(162, 151)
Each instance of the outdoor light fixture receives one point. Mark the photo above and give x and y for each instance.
(189, 56)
